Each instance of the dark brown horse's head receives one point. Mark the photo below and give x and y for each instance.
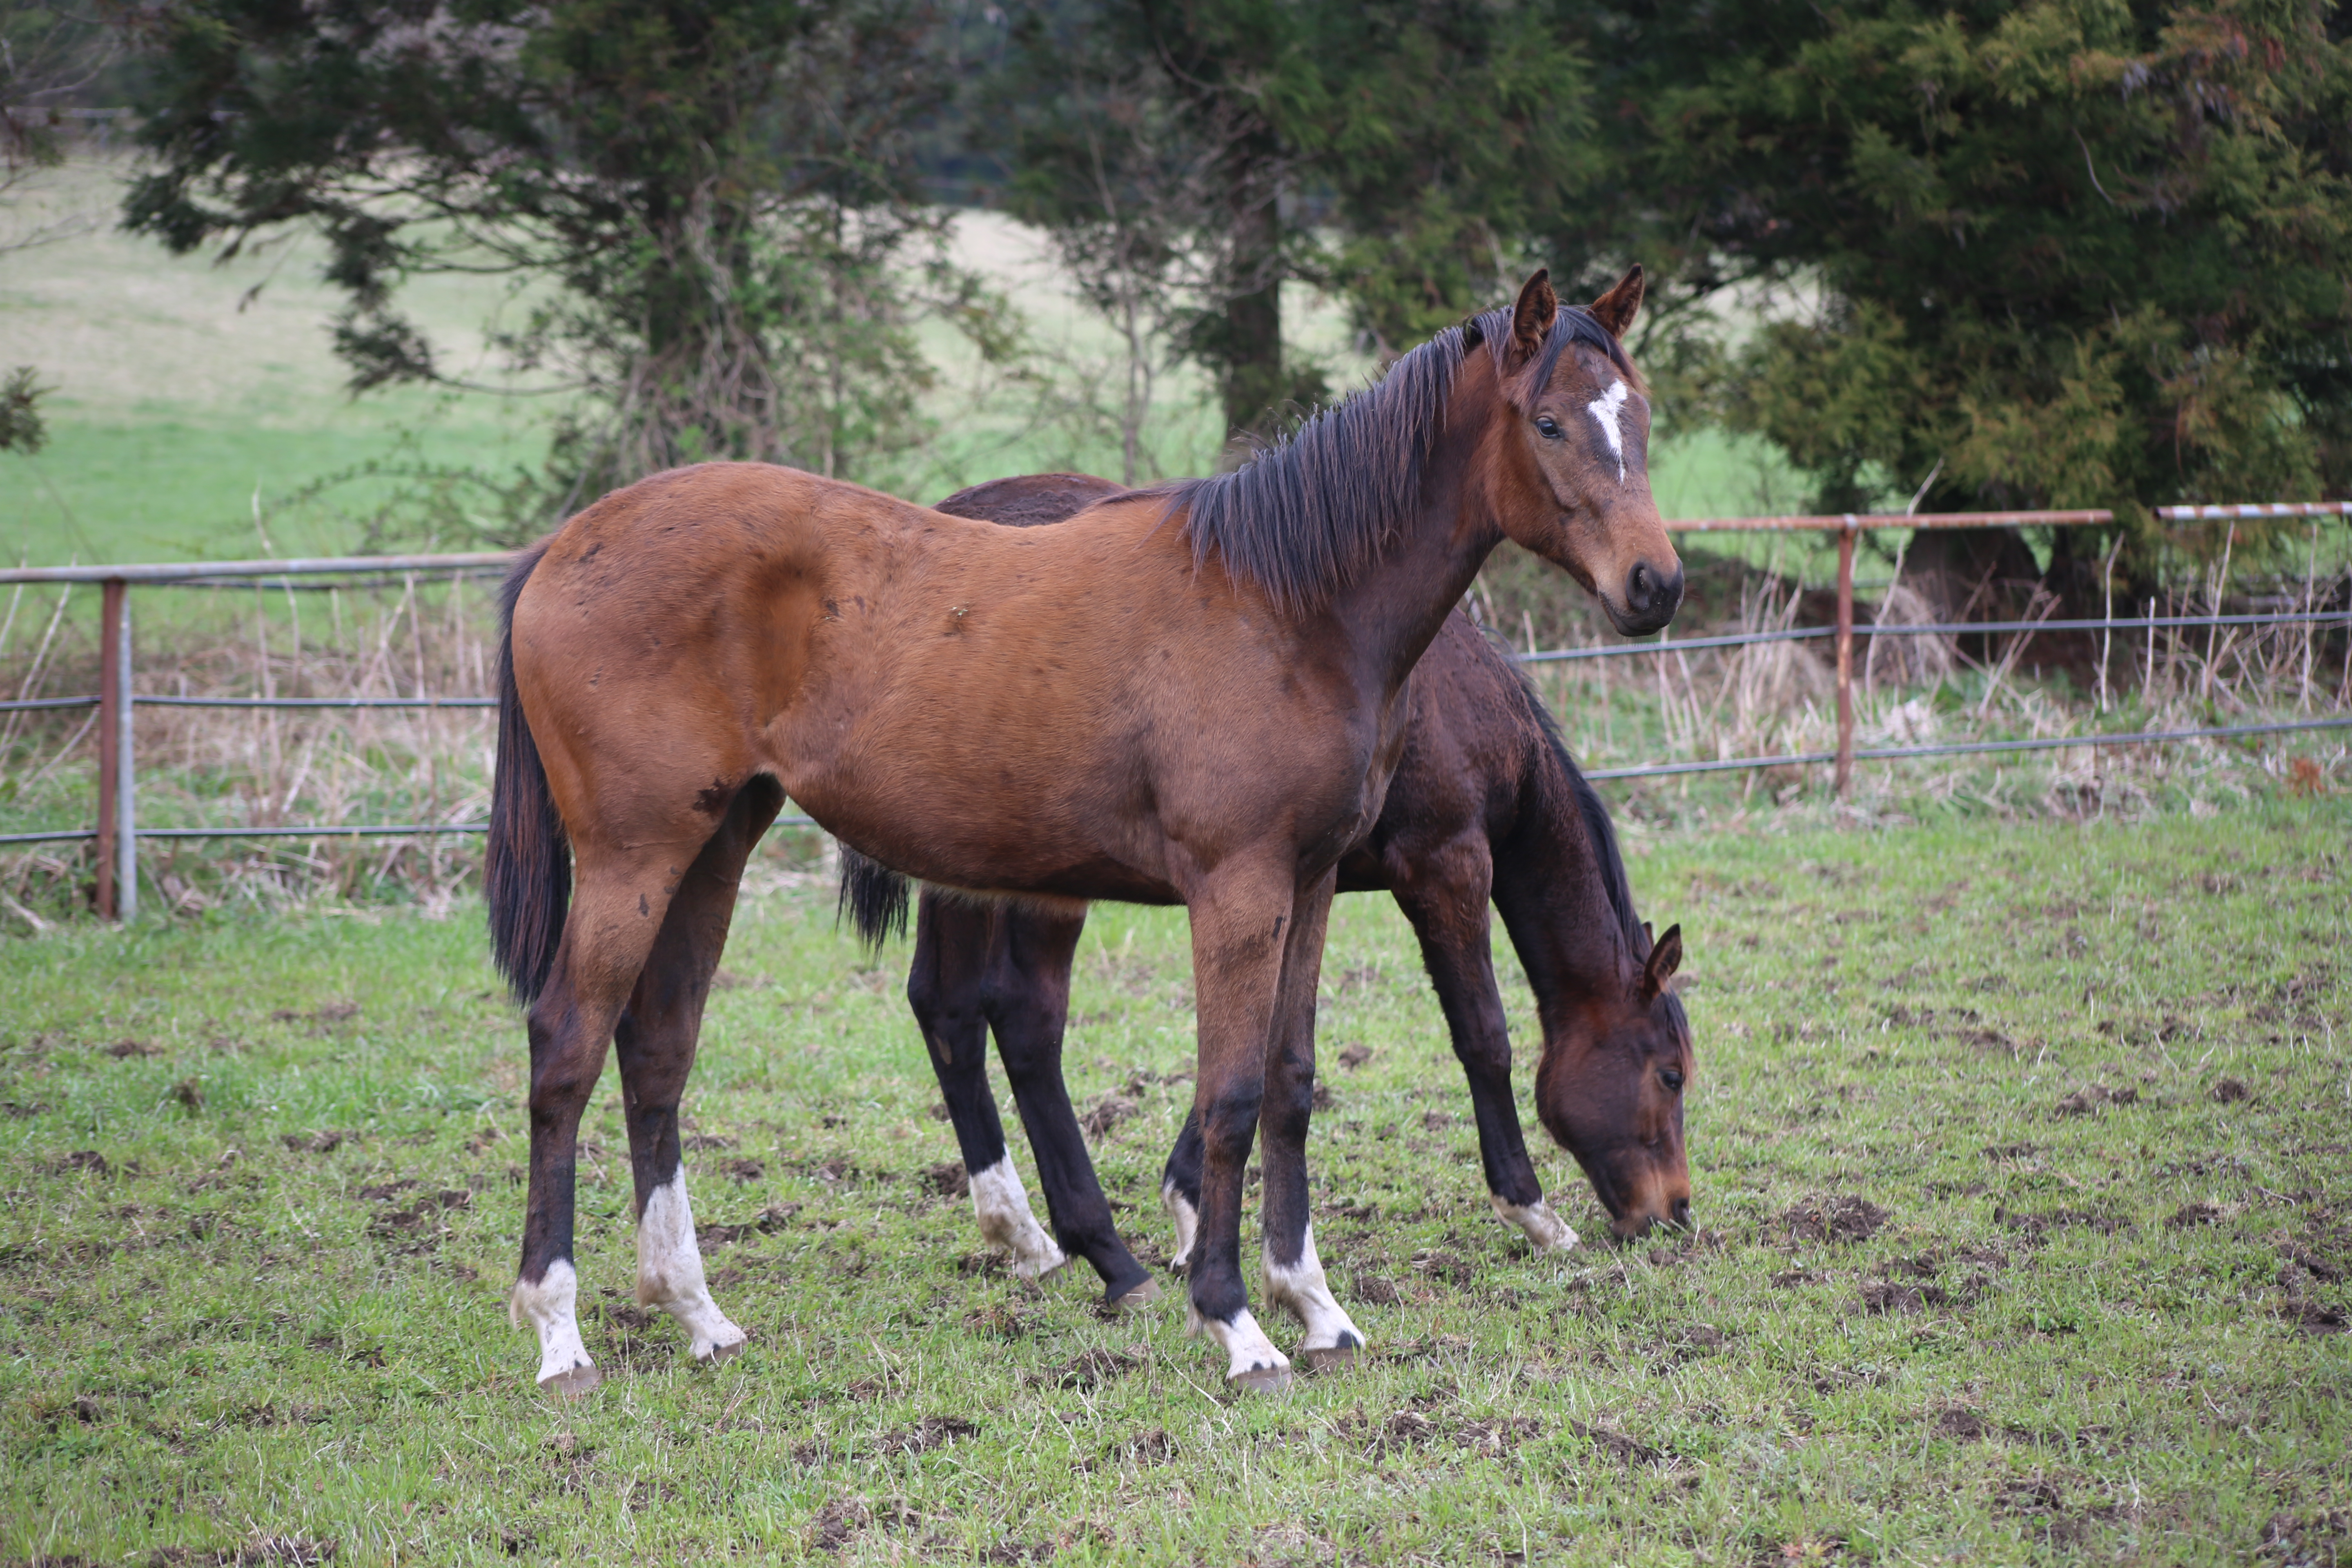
(1574, 479)
(1610, 1090)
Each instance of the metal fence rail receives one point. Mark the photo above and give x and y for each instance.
(117, 831)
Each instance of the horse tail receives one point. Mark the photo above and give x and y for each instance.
(526, 867)
(873, 897)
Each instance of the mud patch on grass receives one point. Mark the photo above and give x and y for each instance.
(1834, 1218)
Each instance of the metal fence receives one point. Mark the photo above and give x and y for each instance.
(117, 832)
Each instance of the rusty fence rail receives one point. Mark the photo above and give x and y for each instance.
(117, 832)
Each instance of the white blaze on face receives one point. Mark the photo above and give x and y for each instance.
(1604, 410)
(669, 1272)
(1002, 1205)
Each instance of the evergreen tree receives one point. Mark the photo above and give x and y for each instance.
(2061, 253)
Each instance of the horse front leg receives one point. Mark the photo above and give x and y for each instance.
(1447, 900)
(1294, 1274)
(945, 988)
(1240, 930)
(655, 1039)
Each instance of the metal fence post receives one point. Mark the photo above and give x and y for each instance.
(126, 783)
(110, 736)
(1846, 656)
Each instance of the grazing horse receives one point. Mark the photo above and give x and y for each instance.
(1485, 799)
(1186, 695)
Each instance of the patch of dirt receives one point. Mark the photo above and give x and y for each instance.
(1354, 1056)
(2038, 1225)
(1887, 1297)
(1620, 1447)
(2230, 1091)
(127, 1050)
(2322, 1540)
(699, 1143)
(948, 1179)
(1093, 1368)
(1375, 1291)
(1000, 1320)
(1845, 1218)
(1107, 1113)
(325, 1143)
(272, 1551)
(88, 1160)
(1152, 1448)
(2087, 1100)
(1962, 1425)
(1435, 1120)
(931, 1432)
(1450, 1266)
(2189, 1214)
(378, 1193)
(1789, 1278)
(744, 1169)
(772, 1219)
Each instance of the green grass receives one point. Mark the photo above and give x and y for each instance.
(2095, 1335)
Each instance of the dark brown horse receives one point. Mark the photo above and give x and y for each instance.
(1189, 695)
(1485, 799)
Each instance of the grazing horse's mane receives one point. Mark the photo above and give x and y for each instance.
(1303, 517)
(1598, 826)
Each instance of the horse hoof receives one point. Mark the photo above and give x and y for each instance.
(1261, 1380)
(1330, 1358)
(573, 1382)
(1135, 1301)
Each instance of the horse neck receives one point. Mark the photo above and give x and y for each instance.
(1391, 614)
(1553, 895)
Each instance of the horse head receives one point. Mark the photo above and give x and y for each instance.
(1569, 474)
(1610, 1090)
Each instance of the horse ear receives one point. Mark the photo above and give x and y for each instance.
(1532, 317)
(1649, 937)
(1616, 309)
(1664, 959)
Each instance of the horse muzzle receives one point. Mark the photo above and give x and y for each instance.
(1646, 601)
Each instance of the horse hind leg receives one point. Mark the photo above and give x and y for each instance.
(1027, 996)
(1293, 1273)
(655, 1039)
(944, 990)
(619, 906)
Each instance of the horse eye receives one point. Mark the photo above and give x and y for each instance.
(1549, 426)
(1672, 1079)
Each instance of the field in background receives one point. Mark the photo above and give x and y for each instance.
(2021, 1177)
(184, 389)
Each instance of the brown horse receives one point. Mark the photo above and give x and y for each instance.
(1485, 799)
(1187, 694)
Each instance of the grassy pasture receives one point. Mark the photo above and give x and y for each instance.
(2021, 1164)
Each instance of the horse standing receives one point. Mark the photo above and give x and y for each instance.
(1187, 694)
(1484, 800)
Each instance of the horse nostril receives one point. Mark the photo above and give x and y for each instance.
(1682, 1212)
(1642, 587)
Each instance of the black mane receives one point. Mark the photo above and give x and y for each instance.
(1598, 826)
(1305, 516)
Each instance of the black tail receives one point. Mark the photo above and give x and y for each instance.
(873, 896)
(527, 868)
